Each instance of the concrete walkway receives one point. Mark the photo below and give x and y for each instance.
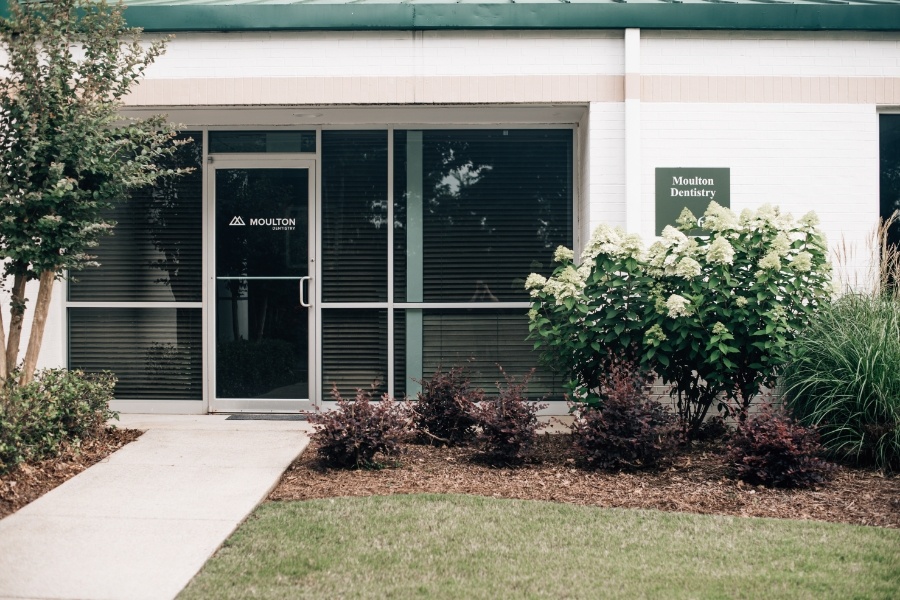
(142, 523)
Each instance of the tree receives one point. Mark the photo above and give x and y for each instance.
(66, 154)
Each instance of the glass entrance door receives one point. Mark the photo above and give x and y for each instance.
(263, 318)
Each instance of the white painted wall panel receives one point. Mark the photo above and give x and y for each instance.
(389, 54)
(791, 54)
(606, 172)
(799, 157)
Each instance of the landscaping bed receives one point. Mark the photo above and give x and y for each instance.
(30, 481)
(697, 482)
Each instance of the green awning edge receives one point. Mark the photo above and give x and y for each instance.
(389, 16)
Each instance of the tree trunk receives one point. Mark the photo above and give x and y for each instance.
(38, 323)
(16, 319)
(3, 370)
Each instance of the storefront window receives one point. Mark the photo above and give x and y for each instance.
(153, 260)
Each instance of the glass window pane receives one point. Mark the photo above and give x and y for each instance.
(262, 222)
(477, 211)
(155, 252)
(262, 335)
(262, 141)
(155, 352)
(354, 216)
(479, 340)
(354, 351)
(890, 171)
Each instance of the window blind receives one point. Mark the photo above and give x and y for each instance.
(481, 341)
(354, 351)
(154, 352)
(494, 206)
(354, 216)
(155, 252)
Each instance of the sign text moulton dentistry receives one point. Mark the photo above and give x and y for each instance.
(691, 188)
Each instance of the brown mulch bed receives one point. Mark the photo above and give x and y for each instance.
(697, 482)
(30, 481)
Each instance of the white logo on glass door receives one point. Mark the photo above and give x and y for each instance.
(237, 221)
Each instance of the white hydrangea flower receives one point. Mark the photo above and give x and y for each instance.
(767, 213)
(718, 218)
(688, 268)
(719, 328)
(771, 261)
(720, 252)
(656, 333)
(802, 262)
(741, 301)
(633, 246)
(604, 240)
(673, 237)
(686, 219)
(678, 306)
(781, 244)
(532, 314)
(584, 271)
(810, 219)
(563, 254)
(568, 283)
(535, 283)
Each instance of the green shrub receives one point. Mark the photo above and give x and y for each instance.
(58, 407)
(508, 422)
(443, 411)
(354, 433)
(845, 379)
(713, 315)
(772, 450)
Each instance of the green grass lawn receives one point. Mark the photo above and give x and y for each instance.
(432, 546)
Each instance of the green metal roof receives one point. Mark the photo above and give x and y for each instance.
(262, 15)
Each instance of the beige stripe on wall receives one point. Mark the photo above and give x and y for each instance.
(379, 90)
(804, 90)
(516, 89)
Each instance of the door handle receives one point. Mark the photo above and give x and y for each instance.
(303, 301)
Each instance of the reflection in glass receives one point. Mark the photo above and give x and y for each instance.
(261, 339)
(262, 141)
(262, 330)
(261, 222)
(155, 252)
(354, 216)
(477, 211)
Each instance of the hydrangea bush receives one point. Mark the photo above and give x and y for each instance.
(713, 315)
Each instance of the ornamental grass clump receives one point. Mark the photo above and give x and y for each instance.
(625, 429)
(845, 379)
(444, 410)
(771, 449)
(508, 423)
(355, 432)
(713, 315)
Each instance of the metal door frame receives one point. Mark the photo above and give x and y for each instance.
(261, 161)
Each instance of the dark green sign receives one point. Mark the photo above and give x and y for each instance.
(694, 189)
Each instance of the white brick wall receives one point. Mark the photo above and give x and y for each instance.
(606, 170)
(390, 54)
(770, 54)
(800, 157)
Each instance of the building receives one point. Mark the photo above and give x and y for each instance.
(374, 180)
